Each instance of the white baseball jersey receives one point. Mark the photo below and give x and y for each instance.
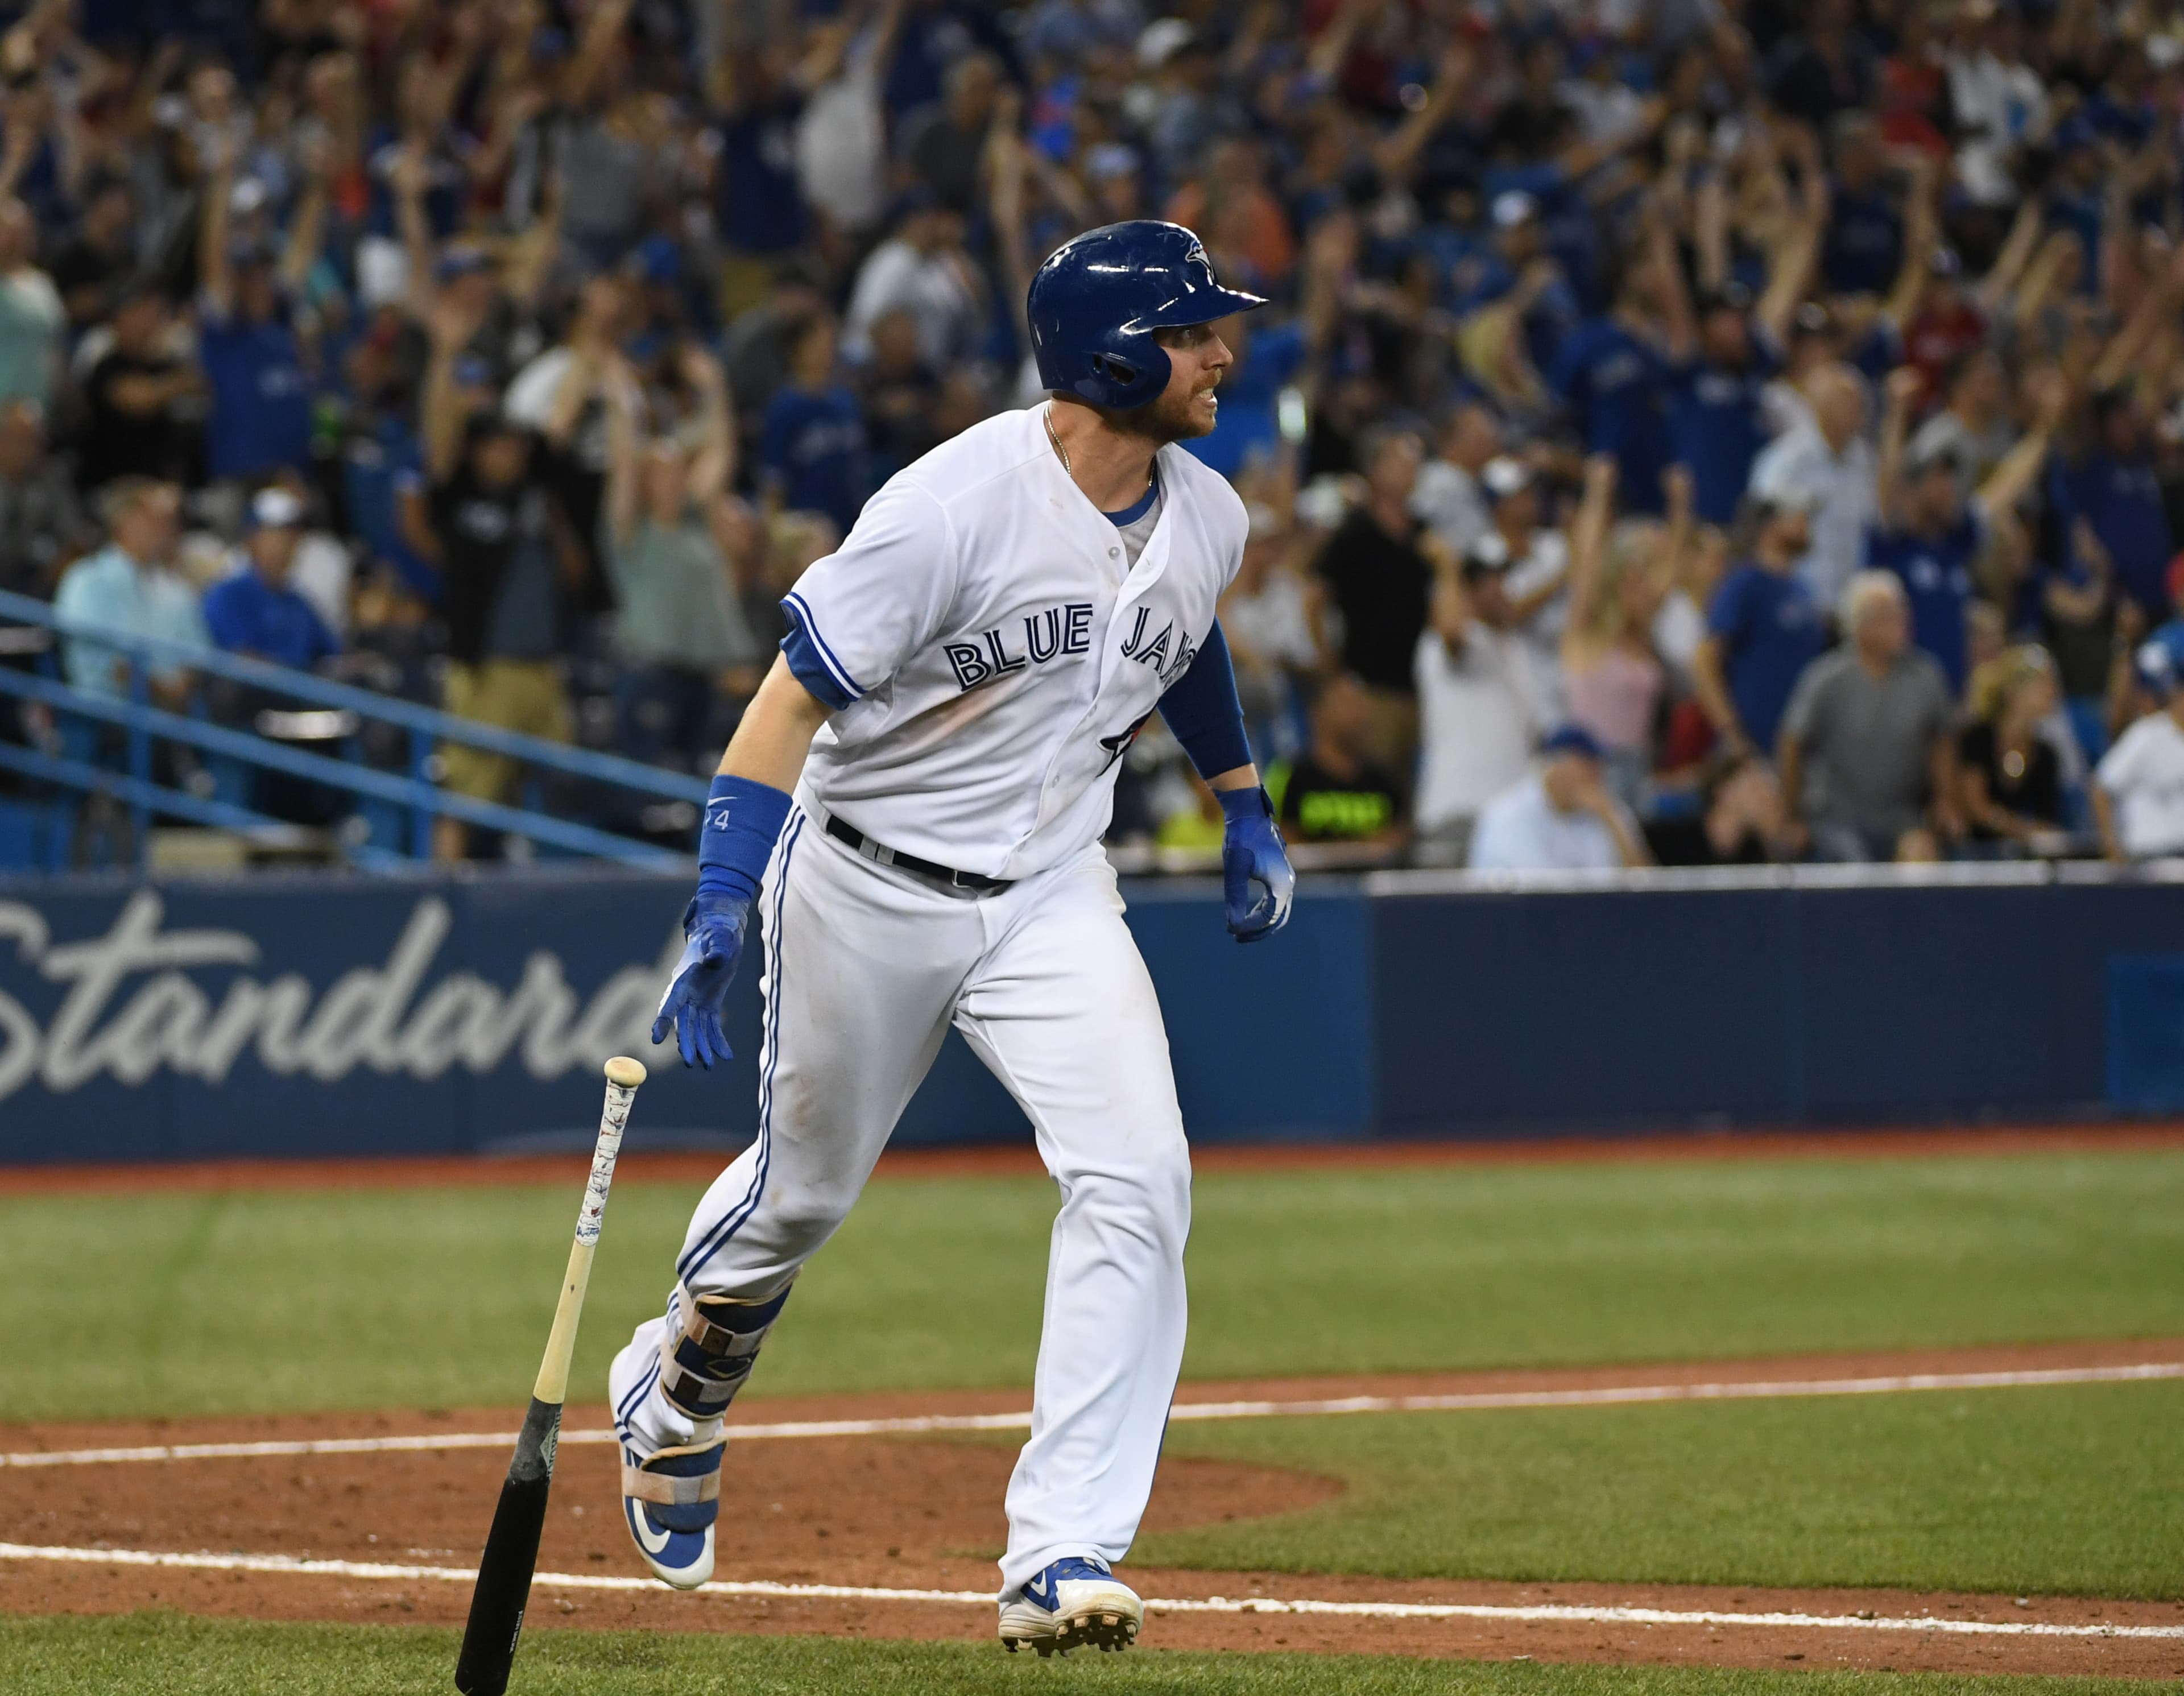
(990, 650)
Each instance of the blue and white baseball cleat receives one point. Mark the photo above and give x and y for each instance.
(670, 1501)
(1075, 1600)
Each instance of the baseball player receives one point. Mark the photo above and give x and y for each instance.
(914, 801)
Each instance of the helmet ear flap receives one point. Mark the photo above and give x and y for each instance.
(1118, 371)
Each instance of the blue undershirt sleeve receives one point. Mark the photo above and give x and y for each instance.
(1202, 709)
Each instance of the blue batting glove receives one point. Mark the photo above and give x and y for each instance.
(713, 927)
(1251, 852)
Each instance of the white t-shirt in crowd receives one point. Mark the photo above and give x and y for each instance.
(1545, 561)
(2144, 775)
(1480, 713)
(1520, 831)
(841, 142)
(1448, 499)
(1275, 623)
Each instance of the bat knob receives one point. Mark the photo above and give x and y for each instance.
(624, 1073)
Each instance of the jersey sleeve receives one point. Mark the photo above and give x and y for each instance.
(859, 613)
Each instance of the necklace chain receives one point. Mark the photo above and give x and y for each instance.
(1046, 417)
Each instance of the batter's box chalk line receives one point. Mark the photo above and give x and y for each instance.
(1608, 1396)
(1543, 1612)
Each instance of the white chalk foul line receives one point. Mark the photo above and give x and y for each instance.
(1548, 1612)
(914, 1425)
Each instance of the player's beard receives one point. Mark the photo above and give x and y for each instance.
(1171, 418)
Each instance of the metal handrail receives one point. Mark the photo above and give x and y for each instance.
(403, 791)
(607, 769)
(220, 815)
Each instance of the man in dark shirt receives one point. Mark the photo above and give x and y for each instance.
(41, 524)
(1380, 579)
(2115, 490)
(899, 393)
(135, 392)
(507, 556)
(1334, 791)
(945, 144)
(92, 272)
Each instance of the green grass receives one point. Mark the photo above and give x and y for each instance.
(261, 1301)
(2076, 1490)
(179, 1657)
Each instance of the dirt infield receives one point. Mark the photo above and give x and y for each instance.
(1021, 1160)
(899, 1513)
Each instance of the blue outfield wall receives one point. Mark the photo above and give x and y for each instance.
(322, 1014)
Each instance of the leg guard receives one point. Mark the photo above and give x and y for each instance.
(708, 1347)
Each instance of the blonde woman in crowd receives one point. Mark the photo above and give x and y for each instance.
(1619, 575)
(2010, 778)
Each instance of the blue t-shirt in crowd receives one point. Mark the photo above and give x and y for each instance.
(814, 442)
(1250, 395)
(260, 419)
(761, 207)
(1936, 572)
(378, 468)
(1717, 426)
(1612, 382)
(1863, 249)
(2121, 500)
(246, 615)
(1771, 629)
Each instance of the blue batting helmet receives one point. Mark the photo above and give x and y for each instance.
(1097, 302)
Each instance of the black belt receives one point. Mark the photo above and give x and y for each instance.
(871, 849)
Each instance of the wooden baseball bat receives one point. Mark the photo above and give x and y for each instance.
(511, 1547)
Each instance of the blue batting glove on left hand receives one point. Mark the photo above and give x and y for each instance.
(713, 927)
(1251, 852)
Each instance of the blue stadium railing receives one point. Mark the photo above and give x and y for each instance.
(409, 796)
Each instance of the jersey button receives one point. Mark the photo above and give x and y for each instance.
(1114, 553)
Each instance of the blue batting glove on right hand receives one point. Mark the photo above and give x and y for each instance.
(713, 927)
(1251, 852)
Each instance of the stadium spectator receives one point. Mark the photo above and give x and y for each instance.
(1739, 821)
(1336, 790)
(41, 524)
(2138, 788)
(130, 586)
(507, 556)
(1930, 536)
(1536, 561)
(1378, 578)
(259, 420)
(2009, 775)
(1827, 463)
(1561, 818)
(1270, 615)
(1764, 628)
(1619, 575)
(138, 394)
(680, 635)
(1867, 754)
(33, 322)
(1448, 496)
(253, 610)
(812, 448)
(922, 270)
(1481, 709)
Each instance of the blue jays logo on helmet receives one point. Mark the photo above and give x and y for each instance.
(1096, 305)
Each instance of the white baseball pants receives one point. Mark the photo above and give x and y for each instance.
(866, 968)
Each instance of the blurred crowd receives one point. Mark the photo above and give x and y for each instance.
(1691, 431)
